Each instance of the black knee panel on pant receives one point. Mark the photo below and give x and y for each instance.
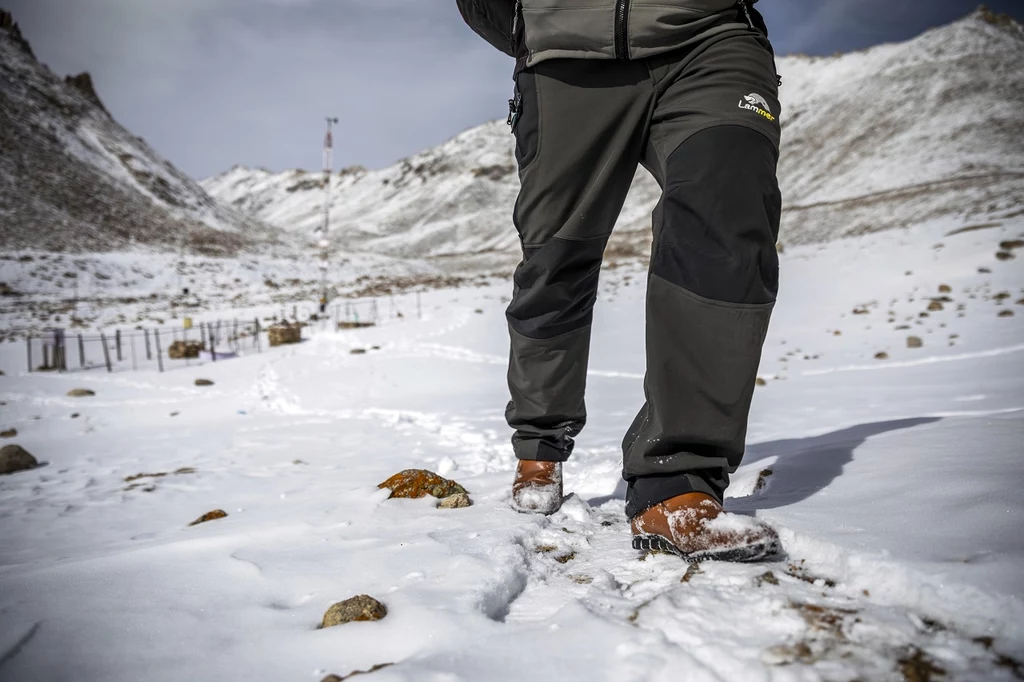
(556, 287)
(720, 216)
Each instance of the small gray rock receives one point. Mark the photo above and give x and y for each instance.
(14, 458)
(914, 342)
(456, 501)
(80, 393)
(361, 607)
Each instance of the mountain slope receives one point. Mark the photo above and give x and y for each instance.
(73, 179)
(879, 139)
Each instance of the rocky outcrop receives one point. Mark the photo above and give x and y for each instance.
(10, 26)
(73, 179)
(83, 83)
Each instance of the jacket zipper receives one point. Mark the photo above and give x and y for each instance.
(515, 25)
(622, 29)
(746, 14)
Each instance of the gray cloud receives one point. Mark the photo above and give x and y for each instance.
(211, 83)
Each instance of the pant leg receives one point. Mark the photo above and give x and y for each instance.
(714, 268)
(579, 139)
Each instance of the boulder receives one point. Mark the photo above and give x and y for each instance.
(9, 433)
(914, 342)
(80, 393)
(15, 458)
(416, 483)
(204, 382)
(359, 608)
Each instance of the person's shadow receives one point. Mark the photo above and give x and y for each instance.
(803, 466)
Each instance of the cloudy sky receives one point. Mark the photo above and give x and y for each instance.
(212, 83)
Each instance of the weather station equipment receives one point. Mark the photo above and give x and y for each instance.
(321, 233)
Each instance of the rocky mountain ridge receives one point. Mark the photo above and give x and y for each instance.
(73, 179)
(884, 138)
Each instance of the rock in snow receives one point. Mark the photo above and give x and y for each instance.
(15, 458)
(456, 501)
(417, 483)
(358, 608)
(210, 516)
(80, 393)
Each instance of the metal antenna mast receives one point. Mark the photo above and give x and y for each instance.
(323, 243)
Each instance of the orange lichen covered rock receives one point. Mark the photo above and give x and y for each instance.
(210, 516)
(416, 483)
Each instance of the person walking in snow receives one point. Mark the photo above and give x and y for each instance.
(688, 88)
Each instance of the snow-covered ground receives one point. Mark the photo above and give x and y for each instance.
(895, 484)
(100, 290)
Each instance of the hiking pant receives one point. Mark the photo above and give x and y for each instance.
(704, 121)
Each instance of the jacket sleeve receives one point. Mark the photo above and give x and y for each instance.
(491, 20)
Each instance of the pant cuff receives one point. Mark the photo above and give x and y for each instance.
(540, 450)
(644, 492)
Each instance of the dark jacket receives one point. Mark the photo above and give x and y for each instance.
(535, 30)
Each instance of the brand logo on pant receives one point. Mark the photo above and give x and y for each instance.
(754, 102)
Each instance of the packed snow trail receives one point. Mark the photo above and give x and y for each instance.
(896, 494)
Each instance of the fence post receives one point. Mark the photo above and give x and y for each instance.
(159, 353)
(117, 342)
(81, 351)
(28, 345)
(131, 347)
(212, 335)
(106, 351)
(46, 355)
(202, 333)
(60, 361)
(259, 348)
(149, 353)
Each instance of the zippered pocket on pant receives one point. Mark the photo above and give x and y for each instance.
(524, 117)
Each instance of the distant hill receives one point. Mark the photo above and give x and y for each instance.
(73, 179)
(873, 140)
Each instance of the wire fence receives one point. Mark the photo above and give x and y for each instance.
(167, 348)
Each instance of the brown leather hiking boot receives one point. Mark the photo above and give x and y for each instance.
(537, 488)
(695, 527)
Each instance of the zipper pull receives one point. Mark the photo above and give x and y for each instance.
(746, 12)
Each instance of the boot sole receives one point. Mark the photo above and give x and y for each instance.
(758, 551)
(547, 511)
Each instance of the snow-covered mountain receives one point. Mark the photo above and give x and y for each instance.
(73, 179)
(873, 140)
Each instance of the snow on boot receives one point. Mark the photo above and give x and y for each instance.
(537, 488)
(695, 527)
